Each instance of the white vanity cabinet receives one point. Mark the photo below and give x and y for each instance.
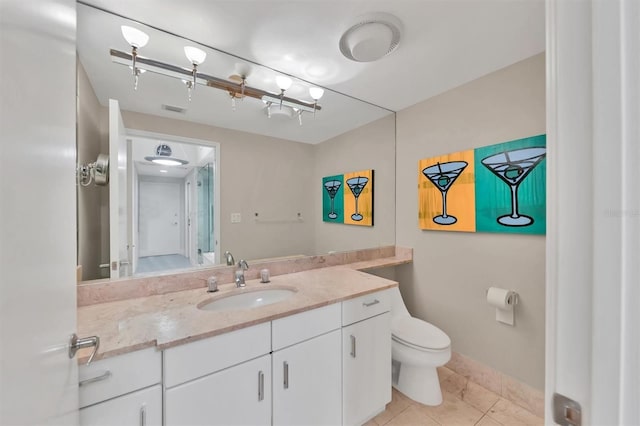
(223, 380)
(307, 368)
(123, 390)
(366, 357)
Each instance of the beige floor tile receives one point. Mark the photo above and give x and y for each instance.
(371, 422)
(487, 421)
(444, 373)
(452, 411)
(508, 413)
(398, 403)
(412, 416)
(470, 392)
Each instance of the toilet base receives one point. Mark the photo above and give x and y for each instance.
(419, 383)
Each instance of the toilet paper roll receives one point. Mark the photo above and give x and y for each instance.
(503, 300)
(500, 298)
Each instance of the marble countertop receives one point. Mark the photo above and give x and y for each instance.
(173, 319)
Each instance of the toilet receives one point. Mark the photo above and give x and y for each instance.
(417, 348)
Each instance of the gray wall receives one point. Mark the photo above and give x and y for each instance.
(451, 270)
(369, 147)
(93, 201)
(257, 174)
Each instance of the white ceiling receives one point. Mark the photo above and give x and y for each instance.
(445, 43)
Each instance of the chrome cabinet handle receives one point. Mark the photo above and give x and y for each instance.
(260, 385)
(99, 378)
(353, 346)
(76, 343)
(285, 366)
(366, 305)
(143, 415)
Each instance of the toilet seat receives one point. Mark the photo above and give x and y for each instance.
(419, 334)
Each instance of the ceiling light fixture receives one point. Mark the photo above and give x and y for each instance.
(136, 39)
(164, 158)
(237, 88)
(372, 37)
(196, 57)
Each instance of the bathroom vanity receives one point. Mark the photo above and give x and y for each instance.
(321, 356)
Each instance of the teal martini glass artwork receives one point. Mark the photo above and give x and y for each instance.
(512, 167)
(332, 187)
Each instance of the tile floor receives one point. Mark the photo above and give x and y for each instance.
(464, 403)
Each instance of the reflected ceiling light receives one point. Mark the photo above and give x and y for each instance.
(164, 158)
(236, 87)
(136, 39)
(371, 38)
(196, 57)
(283, 83)
(315, 93)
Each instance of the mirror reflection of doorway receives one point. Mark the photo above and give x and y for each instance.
(174, 209)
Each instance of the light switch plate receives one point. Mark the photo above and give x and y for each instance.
(236, 218)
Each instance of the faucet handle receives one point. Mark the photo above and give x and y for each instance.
(243, 264)
(212, 284)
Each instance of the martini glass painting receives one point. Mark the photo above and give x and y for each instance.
(332, 187)
(356, 185)
(442, 175)
(512, 167)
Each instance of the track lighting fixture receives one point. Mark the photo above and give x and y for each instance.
(236, 87)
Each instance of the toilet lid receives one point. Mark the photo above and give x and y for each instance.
(415, 332)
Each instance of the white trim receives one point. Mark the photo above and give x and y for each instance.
(552, 227)
(593, 206)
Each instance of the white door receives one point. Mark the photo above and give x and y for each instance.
(593, 210)
(119, 257)
(160, 224)
(307, 382)
(38, 380)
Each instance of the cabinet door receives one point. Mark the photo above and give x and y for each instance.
(239, 395)
(366, 368)
(141, 408)
(306, 382)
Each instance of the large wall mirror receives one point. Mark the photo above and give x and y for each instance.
(249, 178)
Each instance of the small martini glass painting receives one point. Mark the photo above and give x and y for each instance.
(356, 185)
(443, 175)
(348, 198)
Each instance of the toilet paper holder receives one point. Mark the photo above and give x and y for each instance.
(504, 301)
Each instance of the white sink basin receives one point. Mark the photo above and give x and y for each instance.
(247, 299)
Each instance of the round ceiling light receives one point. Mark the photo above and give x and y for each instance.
(164, 158)
(372, 38)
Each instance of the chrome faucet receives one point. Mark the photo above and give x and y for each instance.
(229, 257)
(242, 266)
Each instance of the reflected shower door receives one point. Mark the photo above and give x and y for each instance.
(205, 195)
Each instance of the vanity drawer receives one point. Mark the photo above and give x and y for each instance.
(367, 306)
(192, 360)
(305, 325)
(121, 374)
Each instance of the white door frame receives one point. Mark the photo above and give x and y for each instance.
(593, 208)
(216, 184)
